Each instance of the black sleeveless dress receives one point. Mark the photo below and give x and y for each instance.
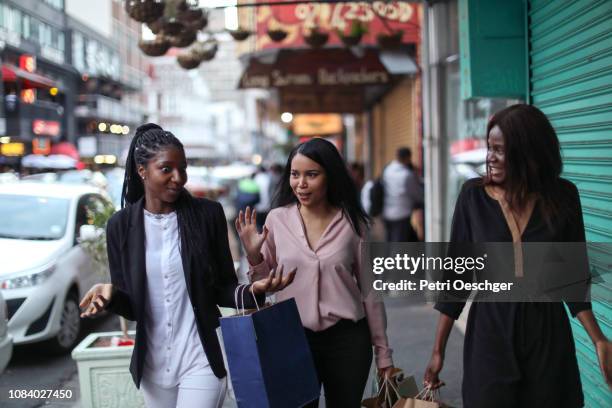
(517, 354)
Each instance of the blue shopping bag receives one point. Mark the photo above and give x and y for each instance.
(269, 358)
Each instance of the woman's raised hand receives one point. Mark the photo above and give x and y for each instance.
(274, 282)
(252, 240)
(96, 299)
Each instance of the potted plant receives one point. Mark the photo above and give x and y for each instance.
(198, 24)
(103, 359)
(316, 38)
(239, 34)
(184, 39)
(172, 27)
(390, 40)
(189, 14)
(155, 47)
(205, 51)
(353, 37)
(188, 60)
(157, 25)
(104, 375)
(277, 34)
(145, 11)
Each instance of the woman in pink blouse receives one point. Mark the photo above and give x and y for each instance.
(317, 226)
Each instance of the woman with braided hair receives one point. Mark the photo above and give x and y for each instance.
(170, 267)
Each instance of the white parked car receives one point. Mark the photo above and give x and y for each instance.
(6, 341)
(44, 271)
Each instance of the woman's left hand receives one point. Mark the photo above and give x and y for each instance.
(274, 282)
(604, 355)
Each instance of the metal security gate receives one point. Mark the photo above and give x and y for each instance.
(570, 79)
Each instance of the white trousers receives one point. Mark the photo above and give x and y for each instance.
(199, 389)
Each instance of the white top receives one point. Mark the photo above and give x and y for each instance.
(402, 191)
(174, 347)
(263, 181)
(365, 195)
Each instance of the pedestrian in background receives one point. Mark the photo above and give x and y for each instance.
(276, 173)
(170, 267)
(519, 354)
(402, 193)
(317, 226)
(262, 178)
(247, 194)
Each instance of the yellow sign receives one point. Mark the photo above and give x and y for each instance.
(12, 149)
(317, 124)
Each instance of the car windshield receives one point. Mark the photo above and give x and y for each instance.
(33, 218)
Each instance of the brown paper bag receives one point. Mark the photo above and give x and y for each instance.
(388, 392)
(426, 398)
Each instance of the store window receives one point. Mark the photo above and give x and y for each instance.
(11, 19)
(465, 122)
(58, 4)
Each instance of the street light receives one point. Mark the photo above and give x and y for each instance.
(286, 117)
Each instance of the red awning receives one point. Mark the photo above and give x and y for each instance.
(65, 148)
(10, 73)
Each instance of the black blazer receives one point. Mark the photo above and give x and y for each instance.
(126, 256)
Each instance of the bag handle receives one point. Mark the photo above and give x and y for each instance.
(428, 394)
(386, 384)
(422, 395)
(240, 306)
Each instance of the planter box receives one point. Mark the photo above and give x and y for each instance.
(104, 375)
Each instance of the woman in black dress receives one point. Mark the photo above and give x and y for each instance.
(519, 354)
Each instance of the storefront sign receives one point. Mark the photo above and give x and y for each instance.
(45, 127)
(41, 145)
(348, 100)
(27, 62)
(317, 124)
(12, 149)
(323, 76)
(377, 17)
(314, 68)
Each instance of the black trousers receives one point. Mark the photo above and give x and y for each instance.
(400, 231)
(342, 355)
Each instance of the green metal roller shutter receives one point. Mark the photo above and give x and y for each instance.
(570, 79)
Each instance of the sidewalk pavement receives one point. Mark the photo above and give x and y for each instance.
(411, 330)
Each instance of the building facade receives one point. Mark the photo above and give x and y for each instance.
(69, 69)
(38, 82)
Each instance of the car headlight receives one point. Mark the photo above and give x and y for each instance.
(25, 281)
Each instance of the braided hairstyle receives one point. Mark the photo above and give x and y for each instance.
(148, 141)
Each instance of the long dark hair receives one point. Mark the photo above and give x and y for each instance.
(147, 142)
(341, 190)
(532, 162)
